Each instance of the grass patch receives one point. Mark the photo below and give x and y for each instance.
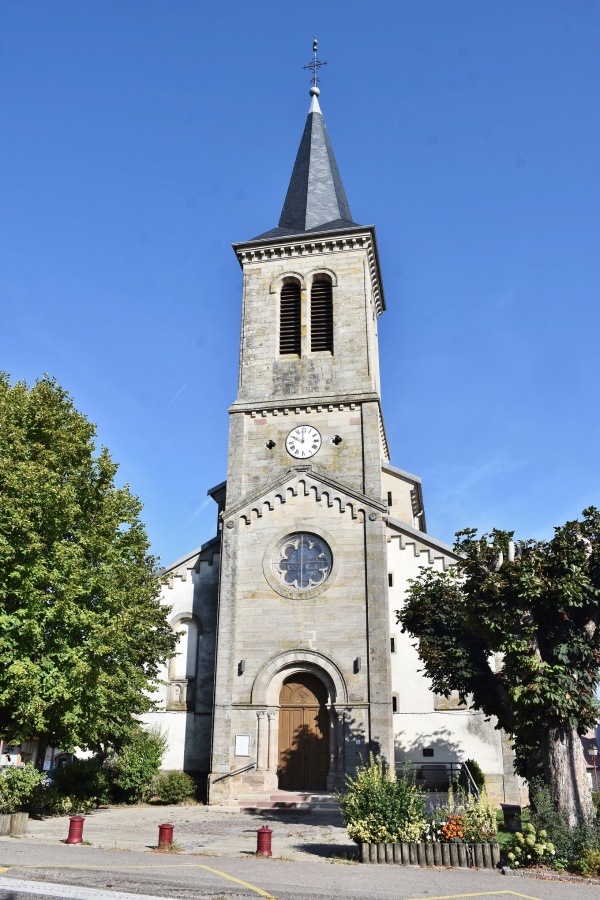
(173, 847)
(504, 835)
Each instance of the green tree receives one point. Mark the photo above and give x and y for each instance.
(516, 628)
(82, 632)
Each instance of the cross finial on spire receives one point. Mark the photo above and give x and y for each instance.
(315, 64)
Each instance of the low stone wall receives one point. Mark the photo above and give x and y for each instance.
(478, 856)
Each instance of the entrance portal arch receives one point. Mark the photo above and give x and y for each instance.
(267, 684)
(285, 738)
(304, 734)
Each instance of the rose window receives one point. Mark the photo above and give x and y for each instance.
(301, 562)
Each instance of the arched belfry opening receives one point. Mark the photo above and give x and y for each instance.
(290, 331)
(321, 315)
(304, 734)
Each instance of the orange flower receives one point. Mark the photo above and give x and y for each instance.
(453, 828)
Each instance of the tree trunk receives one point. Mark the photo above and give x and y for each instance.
(40, 755)
(566, 774)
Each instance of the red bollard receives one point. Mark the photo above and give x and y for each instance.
(263, 841)
(165, 836)
(75, 830)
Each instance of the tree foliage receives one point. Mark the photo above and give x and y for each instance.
(82, 632)
(516, 629)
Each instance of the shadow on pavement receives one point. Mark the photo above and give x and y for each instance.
(329, 851)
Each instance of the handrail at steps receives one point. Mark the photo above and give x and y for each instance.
(474, 787)
(246, 768)
(451, 771)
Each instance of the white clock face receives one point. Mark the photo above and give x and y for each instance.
(303, 441)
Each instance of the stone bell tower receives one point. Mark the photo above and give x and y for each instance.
(302, 684)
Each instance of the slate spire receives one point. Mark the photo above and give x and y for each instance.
(316, 199)
(316, 194)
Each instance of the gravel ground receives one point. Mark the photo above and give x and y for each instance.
(202, 830)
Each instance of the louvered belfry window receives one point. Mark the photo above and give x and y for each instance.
(321, 316)
(289, 319)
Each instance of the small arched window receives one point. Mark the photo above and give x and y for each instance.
(321, 315)
(184, 664)
(289, 319)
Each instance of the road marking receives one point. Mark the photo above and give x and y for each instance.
(482, 894)
(95, 894)
(68, 891)
(237, 881)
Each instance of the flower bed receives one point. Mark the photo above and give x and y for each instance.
(478, 856)
(393, 822)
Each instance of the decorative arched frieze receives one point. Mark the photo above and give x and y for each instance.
(319, 493)
(268, 682)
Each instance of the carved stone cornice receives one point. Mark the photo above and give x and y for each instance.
(326, 243)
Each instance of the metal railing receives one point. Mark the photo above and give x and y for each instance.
(245, 768)
(439, 776)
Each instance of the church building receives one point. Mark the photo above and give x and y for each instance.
(291, 666)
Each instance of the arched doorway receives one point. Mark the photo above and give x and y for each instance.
(303, 734)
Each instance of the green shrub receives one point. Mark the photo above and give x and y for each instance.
(570, 844)
(479, 818)
(588, 863)
(476, 773)
(84, 780)
(133, 769)
(17, 787)
(529, 848)
(49, 801)
(379, 807)
(174, 787)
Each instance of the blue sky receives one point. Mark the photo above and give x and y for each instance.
(140, 138)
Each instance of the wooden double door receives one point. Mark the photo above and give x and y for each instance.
(303, 734)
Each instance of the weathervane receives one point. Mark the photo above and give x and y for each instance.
(315, 65)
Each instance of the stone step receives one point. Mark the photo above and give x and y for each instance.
(303, 803)
(276, 804)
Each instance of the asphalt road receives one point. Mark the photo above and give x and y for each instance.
(86, 873)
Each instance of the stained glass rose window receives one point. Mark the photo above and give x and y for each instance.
(302, 561)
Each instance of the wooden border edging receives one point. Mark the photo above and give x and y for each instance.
(18, 823)
(474, 856)
(13, 823)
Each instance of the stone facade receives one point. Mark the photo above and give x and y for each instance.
(337, 496)
(257, 638)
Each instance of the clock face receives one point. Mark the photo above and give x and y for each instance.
(303, 441)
